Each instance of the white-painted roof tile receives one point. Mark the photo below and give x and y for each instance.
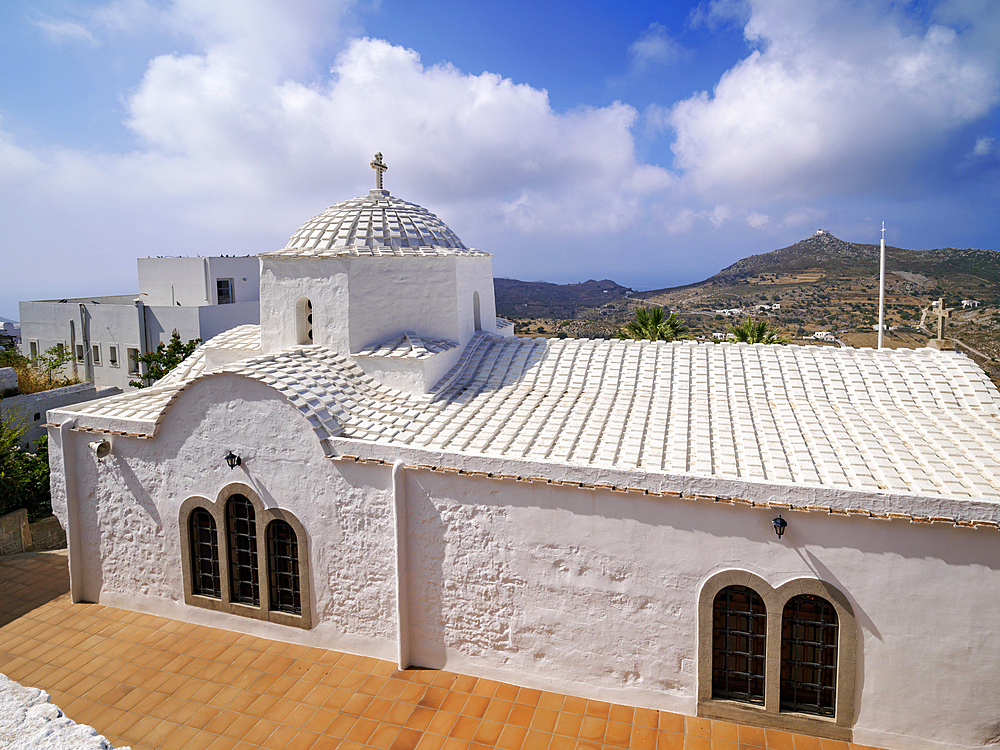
(844, 418)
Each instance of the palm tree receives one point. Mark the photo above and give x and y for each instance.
(650, 323)
(753, 331)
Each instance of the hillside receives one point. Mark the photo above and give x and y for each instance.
(821, 283)
(540, 299)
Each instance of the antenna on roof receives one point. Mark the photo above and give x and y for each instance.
(881, 289)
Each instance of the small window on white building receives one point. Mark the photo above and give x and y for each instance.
(96, 348)
(226, 294)
(304, 321)
(80, 356)
(113, 355)
(133, 366)
(476, 319)
(33, 349)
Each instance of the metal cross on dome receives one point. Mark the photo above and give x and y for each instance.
(379, 166)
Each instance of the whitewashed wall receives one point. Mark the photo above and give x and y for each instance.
(589, 592)
(361, 302)
(192, 281)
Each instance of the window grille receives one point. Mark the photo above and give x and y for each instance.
(809, 631)
(205, 577)
(244, 582)
(283, 568)
(739, 633)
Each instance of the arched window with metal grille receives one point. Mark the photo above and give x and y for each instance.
(283, 568)
(205, 577)
(244, 583)
(739, 636)
(809, 634)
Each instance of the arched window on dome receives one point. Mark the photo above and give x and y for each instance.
(477, 319)
(304, 321)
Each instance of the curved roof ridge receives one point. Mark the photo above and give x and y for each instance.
(377, 224)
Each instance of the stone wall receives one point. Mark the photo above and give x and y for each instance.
(17, 535)
(47, 534)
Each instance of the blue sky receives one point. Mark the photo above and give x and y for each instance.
(650, 143)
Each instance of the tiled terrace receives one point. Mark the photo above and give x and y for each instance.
(150, 682)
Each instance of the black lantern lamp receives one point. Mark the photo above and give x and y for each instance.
(779, 525)
(233, 460)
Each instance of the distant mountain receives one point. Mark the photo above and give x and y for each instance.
(6, 320)
(540, 299)
(835, 257)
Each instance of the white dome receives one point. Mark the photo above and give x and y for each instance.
(374, 225)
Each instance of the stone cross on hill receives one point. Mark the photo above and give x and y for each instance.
(938, 308)
(379, 166)
(942, 315)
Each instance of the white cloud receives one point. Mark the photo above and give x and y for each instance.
(241, 141)
(835, 99)
(654, 47)
(459, 137)
(984, 146)
(66, 31)
(92, 25)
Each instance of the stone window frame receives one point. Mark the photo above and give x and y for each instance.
(837, 727)
(263, 516)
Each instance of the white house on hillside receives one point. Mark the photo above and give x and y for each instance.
(197, 297)
(801, 537)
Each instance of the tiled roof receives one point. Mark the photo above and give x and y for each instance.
(922, 422)
(376, 224)
(241, 338)
(410, 346)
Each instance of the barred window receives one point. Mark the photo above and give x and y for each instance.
(242, 527)
(283, 568)
(809, 630)
(739, 634)
(205, 576)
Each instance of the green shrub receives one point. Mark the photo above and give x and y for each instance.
(24, 477)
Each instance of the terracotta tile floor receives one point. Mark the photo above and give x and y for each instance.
(150, 682)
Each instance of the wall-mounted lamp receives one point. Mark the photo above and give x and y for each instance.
(101, 448)
(233, 460)
(779, 525)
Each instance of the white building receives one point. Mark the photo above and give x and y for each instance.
(377, 469)
(10, 334)
(197, 297)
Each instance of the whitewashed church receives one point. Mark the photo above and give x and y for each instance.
(794, 537)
